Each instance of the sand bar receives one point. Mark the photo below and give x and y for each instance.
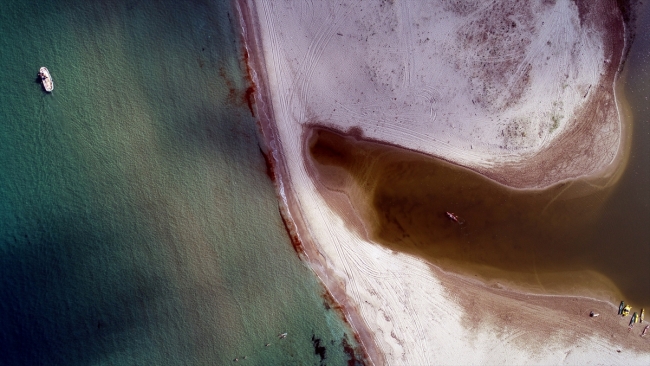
(535, 107)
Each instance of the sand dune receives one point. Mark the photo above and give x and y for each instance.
(521, 92)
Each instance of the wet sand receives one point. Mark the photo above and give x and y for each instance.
(404, 309)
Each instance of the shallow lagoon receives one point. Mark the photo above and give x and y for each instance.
(585, 237)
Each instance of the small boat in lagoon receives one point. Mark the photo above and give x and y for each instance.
(626, 310)
(633, 320)
(641, 316)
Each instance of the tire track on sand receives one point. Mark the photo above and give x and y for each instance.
(267, 15)
(314, 53)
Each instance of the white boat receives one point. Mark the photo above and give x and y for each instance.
(46, 79)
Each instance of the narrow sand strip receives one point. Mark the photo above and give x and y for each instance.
(538, 102)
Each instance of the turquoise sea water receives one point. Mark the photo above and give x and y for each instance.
(137, 223)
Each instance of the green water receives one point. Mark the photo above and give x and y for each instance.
(137, 223)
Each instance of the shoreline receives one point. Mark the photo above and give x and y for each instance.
(338, 279)
(306, 249)
(344, 194)
(544, 160)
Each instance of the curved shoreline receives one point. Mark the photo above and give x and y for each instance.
(289, 209)
(573, 140)
(337, 280)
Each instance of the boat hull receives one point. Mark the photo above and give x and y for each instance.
(46, 79)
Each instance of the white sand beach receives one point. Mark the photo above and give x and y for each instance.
(520, 92)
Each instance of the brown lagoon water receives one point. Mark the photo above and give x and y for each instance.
(582, 237)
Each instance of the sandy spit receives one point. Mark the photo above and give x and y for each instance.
(535, 107)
